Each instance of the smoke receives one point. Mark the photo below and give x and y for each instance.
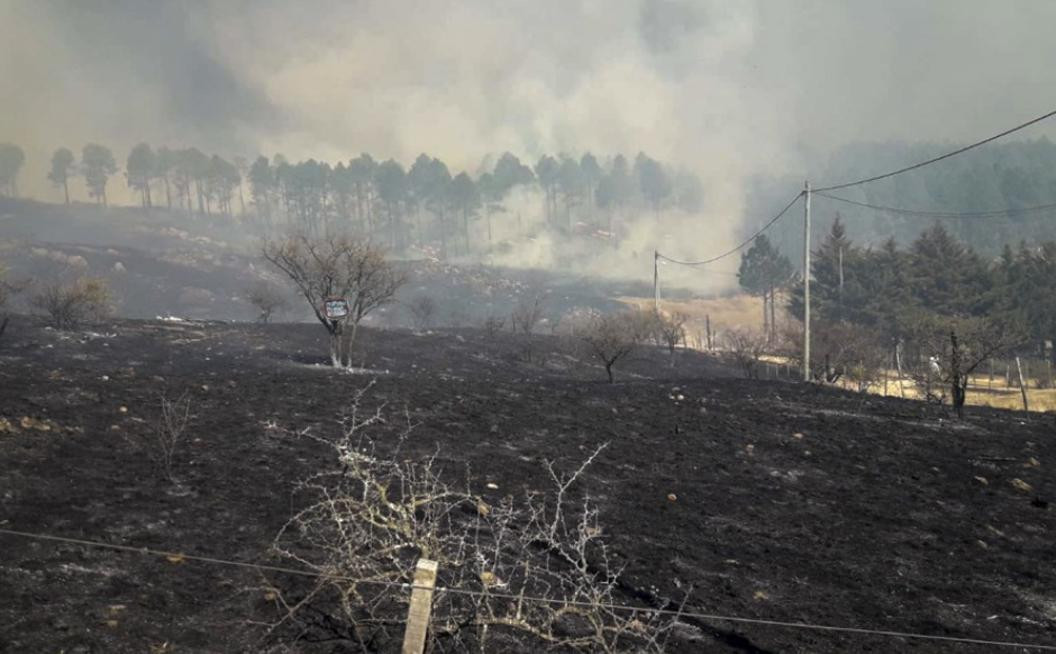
(724, 89)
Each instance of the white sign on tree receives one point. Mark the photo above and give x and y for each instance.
(335, 308)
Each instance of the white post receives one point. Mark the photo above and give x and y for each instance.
(806, 281)
(421, 607)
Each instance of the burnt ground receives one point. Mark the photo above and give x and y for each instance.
(794, 502)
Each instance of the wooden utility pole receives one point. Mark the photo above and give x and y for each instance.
(421, 608)
(806, 281)
(707, 326)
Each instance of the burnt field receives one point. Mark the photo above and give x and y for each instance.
(769, 500)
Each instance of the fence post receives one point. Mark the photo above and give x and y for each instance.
(1022, 386)
(418, 613)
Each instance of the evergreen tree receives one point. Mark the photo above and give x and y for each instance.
(764, 271)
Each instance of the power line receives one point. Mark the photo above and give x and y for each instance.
(997, 213)
(939, 158)
(546, 600)
(741, 245)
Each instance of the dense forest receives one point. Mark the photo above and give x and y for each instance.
(1012, 178)
(425, 206)
(936, 299)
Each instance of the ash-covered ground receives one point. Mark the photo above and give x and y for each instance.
(791, 502)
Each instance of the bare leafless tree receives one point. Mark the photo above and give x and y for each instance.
(747, 346)
(838, 350)
(671, 329)
(268, 300)
(953, 348)
(341, 267)
(611, 337)
(69, 304)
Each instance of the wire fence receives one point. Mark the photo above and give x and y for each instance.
(173, 555)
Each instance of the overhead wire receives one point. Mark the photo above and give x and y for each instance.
(996, 213)
(738, 247)
(928, 162)
(823, 189)
(180, 556)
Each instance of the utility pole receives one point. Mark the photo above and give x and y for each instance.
(656, 281)
(806, 281)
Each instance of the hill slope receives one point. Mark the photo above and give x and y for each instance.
(792, 502)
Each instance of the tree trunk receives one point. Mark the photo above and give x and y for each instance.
(608, 371)
(959, 382)
(465, 227)
(66, 189)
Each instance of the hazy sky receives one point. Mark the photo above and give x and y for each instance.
(723, 87)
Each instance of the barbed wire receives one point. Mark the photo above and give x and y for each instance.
(263, 567)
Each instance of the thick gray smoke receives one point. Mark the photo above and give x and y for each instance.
(724, 89)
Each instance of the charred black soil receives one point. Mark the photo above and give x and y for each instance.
(768, 499)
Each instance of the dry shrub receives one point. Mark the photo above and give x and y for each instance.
(526, 315)
(492, 325)
(747, 346)
(168, 434)
(423, 311)
(524, 319)
(670, 329)
(839, 350)
(70, 304)
(374, 515)
(268, 299)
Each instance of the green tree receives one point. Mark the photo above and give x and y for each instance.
(510, 172)
(165, 164)
(547, 171)
(592, 174)
(614, 190)
(140, 170)
(362, 170)
(262, 188)
(11, 160)
(653, 182)
(465, 198)
(392, 186)
(61, 168)
(946, 277)
(764, 271)
(98, 164)
(570, 183)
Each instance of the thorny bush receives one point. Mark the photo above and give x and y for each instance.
(521, 574)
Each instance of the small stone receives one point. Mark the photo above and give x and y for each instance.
(1021, 485)
(671, 497)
